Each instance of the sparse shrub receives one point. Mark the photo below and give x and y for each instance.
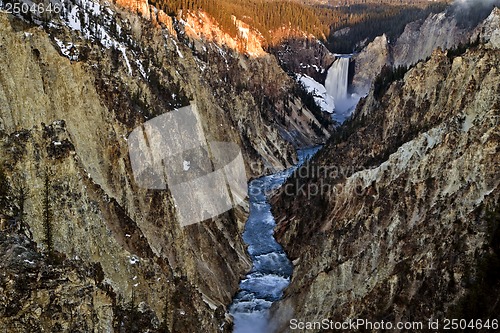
(461, 49)
(386, 77)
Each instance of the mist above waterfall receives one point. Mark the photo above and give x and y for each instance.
(468, 13)
(475, 2)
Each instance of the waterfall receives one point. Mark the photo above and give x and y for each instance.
(336, 86)
(337, 78)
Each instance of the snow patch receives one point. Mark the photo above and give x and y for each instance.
(141, 69)
(321, 97)
(179, 53)
(68, 50)
(124, 53)
(95, 23)
(133, 259)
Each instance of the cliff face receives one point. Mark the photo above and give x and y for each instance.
(83, 247)
(64, 145)
(304, 55)
(396, 219)
(369, 62)
(416, 43)
(202, 28)
(487, 31)
(420, 39)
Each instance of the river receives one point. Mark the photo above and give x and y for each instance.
(271, 269)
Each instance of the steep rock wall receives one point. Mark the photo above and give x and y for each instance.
(61, 143)
(369, 62)
(98, 252)
(405, 226)
(416, 43)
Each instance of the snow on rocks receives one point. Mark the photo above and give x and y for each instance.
(95, 23)
(321, 97)
(69, 50)
(133, 259)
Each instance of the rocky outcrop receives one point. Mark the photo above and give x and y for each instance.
(417, 42)
(201, 28)
(303, 55)
(487, 31)
(140, 7)
(420, 39)
(368, 64)
(396, 219)
(36, 293)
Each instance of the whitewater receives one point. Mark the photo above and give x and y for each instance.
(336, 85)
(271, 269)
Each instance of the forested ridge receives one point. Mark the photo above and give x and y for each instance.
(321, 21)
(265, 16)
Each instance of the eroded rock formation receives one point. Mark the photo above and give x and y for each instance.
(416, 43)
(83, 247)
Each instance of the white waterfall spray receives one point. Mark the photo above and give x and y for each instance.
(337, 79)
(336, 84)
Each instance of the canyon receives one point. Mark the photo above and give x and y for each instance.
(399, 217)
(394, 218)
